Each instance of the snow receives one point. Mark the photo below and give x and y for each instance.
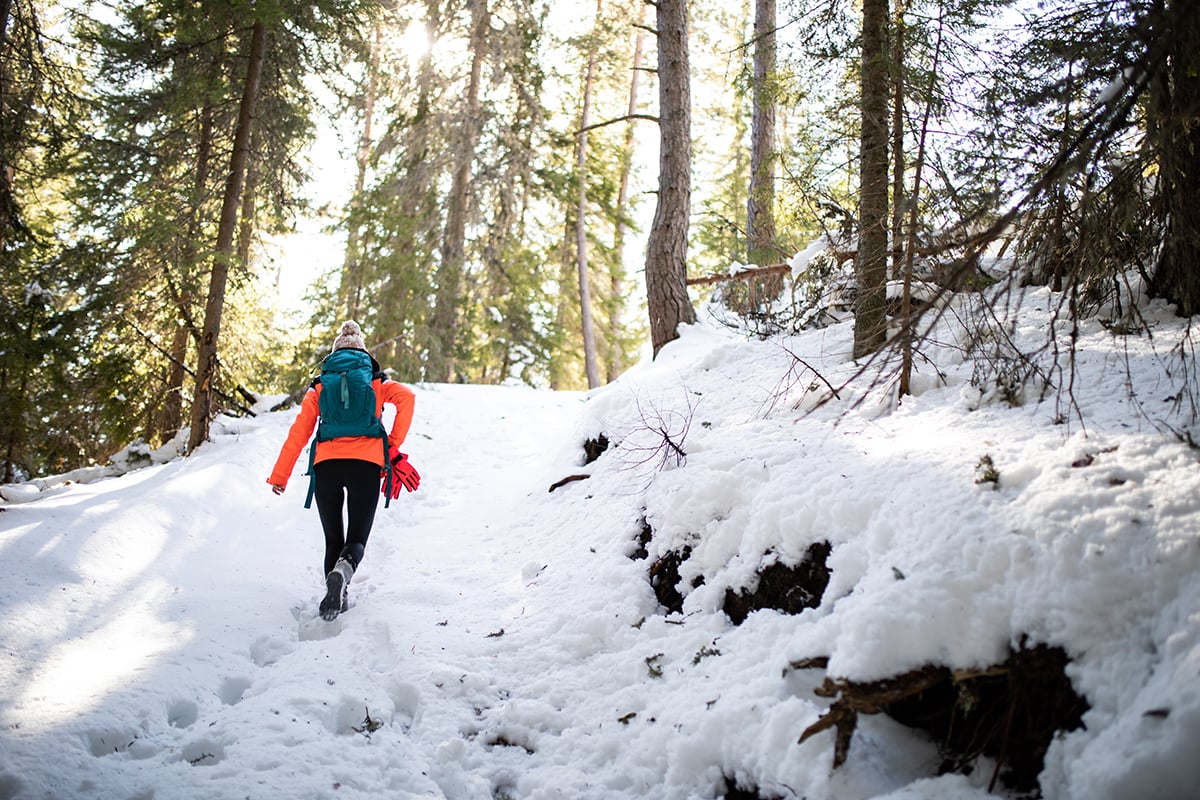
(159, 638)
(800, 261)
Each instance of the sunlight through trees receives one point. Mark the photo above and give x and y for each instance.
(525, 189)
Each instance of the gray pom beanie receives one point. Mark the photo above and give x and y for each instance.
(351, 336)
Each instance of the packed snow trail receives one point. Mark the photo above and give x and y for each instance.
(168, 617)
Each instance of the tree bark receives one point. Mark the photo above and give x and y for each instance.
(7, 203)
(451, 271)
(581, 252)
(870, 319)
(202, 406)
(898, 156)
(1176, 104)
(760, 205)
(666, 248)
(249, 204)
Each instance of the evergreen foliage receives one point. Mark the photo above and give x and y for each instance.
(47, 300)
(1062, 134)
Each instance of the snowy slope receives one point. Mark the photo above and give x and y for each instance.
(157, 637)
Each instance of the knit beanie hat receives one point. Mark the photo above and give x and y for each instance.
(351, 336)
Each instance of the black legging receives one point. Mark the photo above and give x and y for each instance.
(358, 482)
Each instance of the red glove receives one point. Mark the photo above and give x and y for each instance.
(403, 474)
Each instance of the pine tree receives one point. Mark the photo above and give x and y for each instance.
(581, 210)
(152, 178)
(206, 359)
(46, 307)
(452, 268)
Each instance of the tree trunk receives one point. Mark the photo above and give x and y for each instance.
(563, 310)
(7, 203)
(581, 253)
(452, 269)
(206, 364)
(249, 204)
(170, 416)
(616, 320)
(17, 433)
(760, 205)
(666, 248)
(870, 318)
(898, 156)
(171, 413)
(1177, 106)
(910, 247)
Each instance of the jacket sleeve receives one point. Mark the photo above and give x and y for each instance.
(298, 436)
(404, 400)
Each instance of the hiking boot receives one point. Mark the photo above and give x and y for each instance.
(337, 583)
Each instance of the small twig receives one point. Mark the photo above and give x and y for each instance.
(369, 724)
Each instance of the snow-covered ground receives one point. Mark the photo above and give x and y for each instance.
(158, 639)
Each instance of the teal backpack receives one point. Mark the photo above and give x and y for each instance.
(346, 404)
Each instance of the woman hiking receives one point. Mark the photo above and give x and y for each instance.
(345, 407)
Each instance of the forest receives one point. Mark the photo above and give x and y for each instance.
(541, 192)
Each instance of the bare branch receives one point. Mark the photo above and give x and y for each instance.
(228, 398)
(626, 118)
(746, 274)
(669, 429)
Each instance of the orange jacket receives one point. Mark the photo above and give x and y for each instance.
(364, 448)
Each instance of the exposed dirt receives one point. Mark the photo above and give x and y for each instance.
(788, 589)
(594, 448)
(735, 792)
(664, 579)
(1009, 712)
(643, 541)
